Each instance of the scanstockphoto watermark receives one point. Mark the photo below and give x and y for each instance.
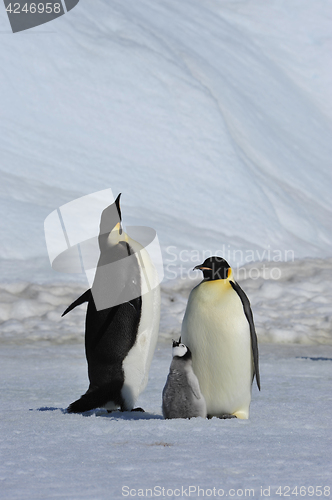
(219, 492)
(186, 491)
(179, 263)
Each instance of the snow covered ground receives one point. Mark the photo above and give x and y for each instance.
(48, 454)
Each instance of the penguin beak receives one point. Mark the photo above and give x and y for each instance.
(201, 268)
(117, 204)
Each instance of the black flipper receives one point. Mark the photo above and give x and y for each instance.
(97, 398)
(83, 298)
(249, 316)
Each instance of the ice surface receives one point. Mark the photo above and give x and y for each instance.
(48, 454)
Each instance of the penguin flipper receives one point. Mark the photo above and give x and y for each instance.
(194, 386)
(83, 298)
(249, 316)
(97, 398)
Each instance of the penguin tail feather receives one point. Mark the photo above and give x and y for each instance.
(97, 398)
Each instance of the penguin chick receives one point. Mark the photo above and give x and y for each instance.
(182, 397)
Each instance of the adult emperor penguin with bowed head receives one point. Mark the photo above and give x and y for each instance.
(218, 328)
(122, 319)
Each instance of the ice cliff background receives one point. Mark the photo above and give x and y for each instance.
(213, 118)
(214, 121)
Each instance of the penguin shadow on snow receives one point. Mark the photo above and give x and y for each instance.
(101, 412)
(123, 415)
(48, 408)
(314, 358)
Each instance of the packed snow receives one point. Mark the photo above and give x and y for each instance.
(213, 118)
(48, 454)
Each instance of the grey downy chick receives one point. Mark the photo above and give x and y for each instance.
(182, 397)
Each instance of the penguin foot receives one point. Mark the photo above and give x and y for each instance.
(76, 407)
(96, 398)
(133, 409)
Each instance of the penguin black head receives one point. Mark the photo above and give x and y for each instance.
(176, 343)
(215, 268)
(180, 350)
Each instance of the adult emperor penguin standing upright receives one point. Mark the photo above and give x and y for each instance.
(218, 327)
(122, 319)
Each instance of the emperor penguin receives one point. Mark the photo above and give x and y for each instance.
(122, 322)
(182, 397)
(218, 327)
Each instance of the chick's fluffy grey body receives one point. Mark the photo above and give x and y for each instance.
(182, 397)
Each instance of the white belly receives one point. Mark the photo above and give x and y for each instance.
(137, 364)
(217, 332)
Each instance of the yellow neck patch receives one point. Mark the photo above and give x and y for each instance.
(219, 286)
